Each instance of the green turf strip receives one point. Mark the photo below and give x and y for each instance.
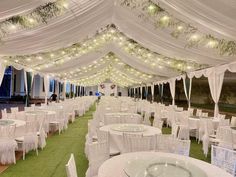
(51, 161)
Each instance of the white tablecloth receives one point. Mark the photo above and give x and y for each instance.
(20, 126)
(114, 167)
(194, 122)
(136, 118)
(50, 115)
(116, 137)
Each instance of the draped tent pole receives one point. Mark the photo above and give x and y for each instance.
(2, 71)
(215, 81)
(152, 91)
(187, 82)
(64, 90)
(46, 87)
(172, 83)
(141, 92)
(28, 79)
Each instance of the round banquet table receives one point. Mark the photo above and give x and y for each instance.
(20, 125)
(194, 121)
(116, 137)
(137, 118)
(115, 166)
(50, 115)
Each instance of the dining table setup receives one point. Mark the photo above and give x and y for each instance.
(27, 130)
(142, 150)
(158, 164)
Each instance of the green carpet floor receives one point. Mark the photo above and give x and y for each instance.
(51, 161)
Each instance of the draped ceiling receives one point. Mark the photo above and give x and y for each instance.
(103, 39)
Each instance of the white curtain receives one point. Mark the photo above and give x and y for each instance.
(25, 80)
(215, 80)
(64, 90)
(2, 71)
(187, 92)
(172, 89)
(141, 91)
(152, 90)
(46, 87)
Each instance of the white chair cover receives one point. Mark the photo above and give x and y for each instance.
(71, 167)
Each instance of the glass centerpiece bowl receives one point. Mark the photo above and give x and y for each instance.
(162, 167)
(128, 128)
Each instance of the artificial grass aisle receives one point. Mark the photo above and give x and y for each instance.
(51, 161)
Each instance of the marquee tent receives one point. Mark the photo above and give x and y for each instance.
(130, 42)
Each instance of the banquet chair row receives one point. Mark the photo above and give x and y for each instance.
(8, 145)
(162, 143)
(224, 158)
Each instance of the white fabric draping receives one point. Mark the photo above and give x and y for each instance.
(215, 17)
(172, 89)
(2, 71)
(152, 90)
(188, 92)
(17, 7)
(141, 91)
(46, 80)
(25, 80)
(215, 81)
(64, 90)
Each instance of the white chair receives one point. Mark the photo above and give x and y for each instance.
(30, 139)
(224, 122)
(139, 143)
(183, 133)
(7, 145)
(233, 121)
(158, 124)
(105, 136)
(199, 113)
(146, 120)
(4, 113)
(59, 121)
(204, 114)
(14, 110)
(21, 116)
(40, 130)
(182, 147)
(174, 130)
(29, 108)
(97, 154)
(165, 143)
(224, 158)
(71, 167)
(221, 116)
(190, 111)
(224, 137)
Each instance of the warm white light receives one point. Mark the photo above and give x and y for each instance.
(212, 43)
(65, 5)
(180, 28)
(31, 20)
(165, 18)
(151, 7)
(194, 37)
(13, 27)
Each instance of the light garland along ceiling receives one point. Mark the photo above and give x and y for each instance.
(108, 35)
(148, 10)
(107, 67)
(38, 16)
(130, 53)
